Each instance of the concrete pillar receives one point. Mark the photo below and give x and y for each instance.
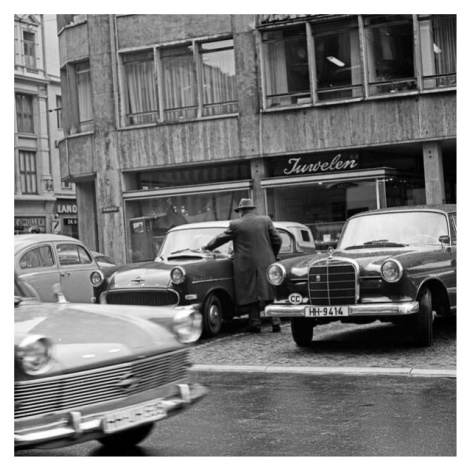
(433, 173)
(257, 173)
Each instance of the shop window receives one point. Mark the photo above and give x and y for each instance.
(85, 104)
(218, 77)
(29, 49)
(150, 219)
(390, 53)
(140, 88)
(28, 174)
(438, 36)
(338, 60)
(286, 69)
(24, 113)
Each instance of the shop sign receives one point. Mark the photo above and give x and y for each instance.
(105, 210)
(296, 166)
(71, 221)
(30, 222)
(66, 208)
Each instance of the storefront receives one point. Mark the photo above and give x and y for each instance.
(65, 221)
(30, 224)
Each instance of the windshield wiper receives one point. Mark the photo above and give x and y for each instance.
(185, 249)
(371, 243)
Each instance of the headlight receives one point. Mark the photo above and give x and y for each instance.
(391, 270)
(276, 273)
(177, 275)
(187, 325)
(34, 354)
(96, 278)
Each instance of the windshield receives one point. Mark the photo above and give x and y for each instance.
(394, 229)
(191, 239)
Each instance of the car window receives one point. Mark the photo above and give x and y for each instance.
(40, 257)
(287, 244)
(305, 235)
(71, 253)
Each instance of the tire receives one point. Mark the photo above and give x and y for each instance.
(302, 331)
(212, 316)
(422, 323)
(128, 438)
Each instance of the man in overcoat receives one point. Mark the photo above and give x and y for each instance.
(256, 244)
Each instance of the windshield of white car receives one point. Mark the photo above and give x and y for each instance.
(394, 229)
(193, 239)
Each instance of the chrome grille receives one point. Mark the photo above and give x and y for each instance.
(156, 298)
(70, 391)
(332, 283)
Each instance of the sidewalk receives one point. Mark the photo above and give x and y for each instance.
(338, 349)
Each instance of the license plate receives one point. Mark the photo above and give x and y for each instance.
(326, 311)
(133, 416)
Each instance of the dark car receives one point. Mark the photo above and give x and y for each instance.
(182, 274)
(395, 265)
(87, 371)
(106, 264)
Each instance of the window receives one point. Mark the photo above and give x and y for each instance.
(85, 105)
(29, 49)
(28, 174)
(338, 60)
(390, 53)
(58, 105)
(70, 253)
(24, 113)
(286, 67)
(218, 77)
(438, 37)
(40, 257)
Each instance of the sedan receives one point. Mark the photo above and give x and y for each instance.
(183, 274)
(87, 371)
(394, 265)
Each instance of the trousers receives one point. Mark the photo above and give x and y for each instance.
(254, 315)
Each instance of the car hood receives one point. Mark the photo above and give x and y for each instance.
(89, 336)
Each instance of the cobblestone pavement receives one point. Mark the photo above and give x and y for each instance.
(335, 345)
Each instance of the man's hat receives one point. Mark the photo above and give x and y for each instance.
(245, 204)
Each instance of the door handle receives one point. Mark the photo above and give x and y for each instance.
(64, 274)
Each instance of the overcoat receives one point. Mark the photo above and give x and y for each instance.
(256, 244)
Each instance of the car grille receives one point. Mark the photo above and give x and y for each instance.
(157, 298)
(332, 283)
(72, 391)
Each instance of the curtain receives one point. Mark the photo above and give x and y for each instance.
(275, 66)
(84, 96)
(24, 113)
(445, 45)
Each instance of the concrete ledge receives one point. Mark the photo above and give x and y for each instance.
(327, 370)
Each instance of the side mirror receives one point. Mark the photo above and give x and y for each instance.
(444, 239)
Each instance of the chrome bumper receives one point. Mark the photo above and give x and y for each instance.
(73, 428)
(359, 310)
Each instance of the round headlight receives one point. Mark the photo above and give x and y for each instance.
(391, 270)
(187, 326)
(96, 278)
(177, 275)
(34, 354)
(276, 274)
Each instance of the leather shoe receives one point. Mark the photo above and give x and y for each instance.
(254, 329)
(276, 328)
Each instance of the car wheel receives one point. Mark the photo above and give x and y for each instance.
(127, 438)
(302, 331)
(212, 315)
(422, 331)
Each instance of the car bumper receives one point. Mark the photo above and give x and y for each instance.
(73, 427)
(359, 310)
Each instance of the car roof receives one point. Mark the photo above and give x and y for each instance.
(224, 224)
(447, 208)
(25, 240)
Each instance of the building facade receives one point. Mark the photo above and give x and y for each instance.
(170, 119)
(43, 203)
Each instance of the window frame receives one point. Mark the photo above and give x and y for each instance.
(28, 176)
(20, 113)
(29, 59)
(39, 257)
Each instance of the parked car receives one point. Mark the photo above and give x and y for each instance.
(87, 371)
(46, 259)
(182, 274)
(394, 265)
(106, 264)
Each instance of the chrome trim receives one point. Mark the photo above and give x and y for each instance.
(357, 310)
(213, 280)
(102, 299)
(400, 270)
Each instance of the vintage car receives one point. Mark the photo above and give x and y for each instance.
(395, 265)
(47, 259)
(105, 263)
(182, 274)
(87, 371)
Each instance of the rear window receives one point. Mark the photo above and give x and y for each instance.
(305, 235)
(40, 257)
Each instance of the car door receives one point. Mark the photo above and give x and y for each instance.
(38, 266)
(75, 267)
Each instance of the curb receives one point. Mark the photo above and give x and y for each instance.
(405, 371)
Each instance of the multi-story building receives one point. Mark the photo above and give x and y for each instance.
(173, 118)
(43, 203)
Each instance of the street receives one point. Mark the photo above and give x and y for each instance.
(251, 414)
